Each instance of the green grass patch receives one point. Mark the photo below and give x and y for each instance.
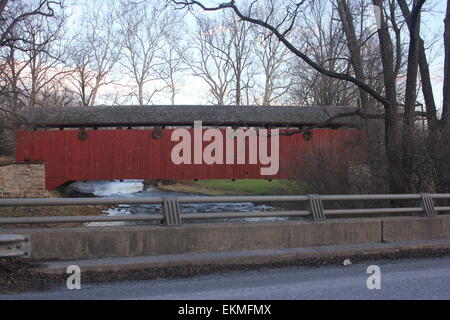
(237, 187)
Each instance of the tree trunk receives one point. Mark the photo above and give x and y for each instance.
(173, 89)
(435, 140)
(141, 94)
(408, 158)
(392, 124)
(446, 89)
(427, 87)
(367, 106)
(93, 96)
(172, 98)
(33, 91)
(354, 48)
(266, 96)
(238, 89)
(442, 152)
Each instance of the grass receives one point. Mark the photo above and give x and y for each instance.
(8, 212)
(87, 210)
(237, 187)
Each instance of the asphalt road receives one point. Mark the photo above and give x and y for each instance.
(403, 279)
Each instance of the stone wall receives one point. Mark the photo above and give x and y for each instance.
(23, 180)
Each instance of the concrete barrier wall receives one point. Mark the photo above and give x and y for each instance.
(90, 243)
(416, 228)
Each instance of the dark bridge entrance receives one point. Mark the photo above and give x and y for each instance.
(103, 143)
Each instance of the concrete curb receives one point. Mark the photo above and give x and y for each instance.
(247, 258)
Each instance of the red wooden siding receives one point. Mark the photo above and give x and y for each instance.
(134, 154)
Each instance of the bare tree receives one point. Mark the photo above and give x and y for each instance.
(275, 61)
(146, 29)
(13, 13)
(211, 50)
(322, 38)
(45, 56)
(240, 56)
(14, 44)
(82, 76)
(174, 62)
(13, 79)
(96, 52)
(23, 37)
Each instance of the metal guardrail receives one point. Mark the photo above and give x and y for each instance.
(15, 245)
(172, 215)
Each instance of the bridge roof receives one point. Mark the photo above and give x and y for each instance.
(185, 115)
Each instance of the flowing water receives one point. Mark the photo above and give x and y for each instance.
(136, 189)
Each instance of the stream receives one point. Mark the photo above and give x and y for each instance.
(135, 189)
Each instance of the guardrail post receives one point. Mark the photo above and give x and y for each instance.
(428, 205)
(171, 211)
(316, 207)
(15, 245)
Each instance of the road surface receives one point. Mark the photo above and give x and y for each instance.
(405, 279)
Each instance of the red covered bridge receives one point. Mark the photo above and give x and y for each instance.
(103, 143)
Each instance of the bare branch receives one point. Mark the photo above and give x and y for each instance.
(289, 45)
